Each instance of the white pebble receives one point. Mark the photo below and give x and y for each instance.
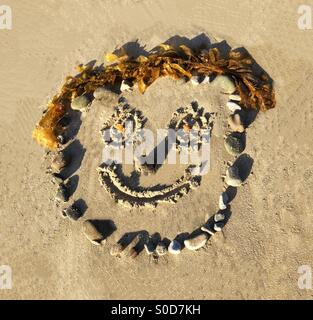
(218, 226)
(196, 242)
(219, 217)
(233, 106)
(207, 230)
(225, 83)
(223, 201)
(195, 80)
(174, 247)
(235, 97)
(125, 86)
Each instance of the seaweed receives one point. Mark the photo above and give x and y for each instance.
(256, 91)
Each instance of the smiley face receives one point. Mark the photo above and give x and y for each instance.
(253, 91)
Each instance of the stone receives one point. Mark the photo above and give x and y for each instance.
(235, 97)
(161, 249)
(56, 179)
(149, 247)
(126, 86)
(218, 217)
(196, 242)
(235, 123)
(234, 144)
(223, 201)
(80, 103)
(196, 80)
(72, 212)
(62, 193)
(233, 106)
(116, 250)
(60, 161)
(100, 93)
(91, 233)
(174, 247)
(218, 226)
(207, 230)
(232, 177)
(225, 83)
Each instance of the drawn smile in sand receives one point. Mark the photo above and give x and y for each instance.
(187, 136)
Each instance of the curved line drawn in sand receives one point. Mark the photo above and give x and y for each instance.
(110, 177)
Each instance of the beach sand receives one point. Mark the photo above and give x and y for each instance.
(269, 234)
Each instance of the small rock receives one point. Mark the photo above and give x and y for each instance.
(207, 230)
(206, 80)
(196, 80)
(161, 249)
(232, 177)
(61, 138)
(91, 233)
(80, 103)
(126, 86)
(218, 226)
(223, 201)
(56, 179)
(116, 250)
(100, 93)
(149, 247)
(60, 161)
(234, 144)
(232, 106)
(174, 247)
(62, 193)
(235, 123)
(219, 217)
(72, 212)
(196, 242)
(225, 83)
(235, 97)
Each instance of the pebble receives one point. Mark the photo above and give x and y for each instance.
(91, 233)
(235, 97)
(234, 144)
(232, 177)
(207, 230)
(219, 217)
(195, 80)
(196, 242)
(126, 86)
(149, 247)
(62, 193)
(116, 250)
(233, 106)
(60, 161)
(80, 103)
(235, 123)
(223, 201)
(56, 179)
(218, 226)
(61, 138)
(225, 83)
(161, 249)
(174, 247)
(72, 212)
(100, 93)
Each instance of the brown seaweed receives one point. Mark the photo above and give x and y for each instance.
(256, 91)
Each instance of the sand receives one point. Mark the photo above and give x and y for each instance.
(269, 234)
